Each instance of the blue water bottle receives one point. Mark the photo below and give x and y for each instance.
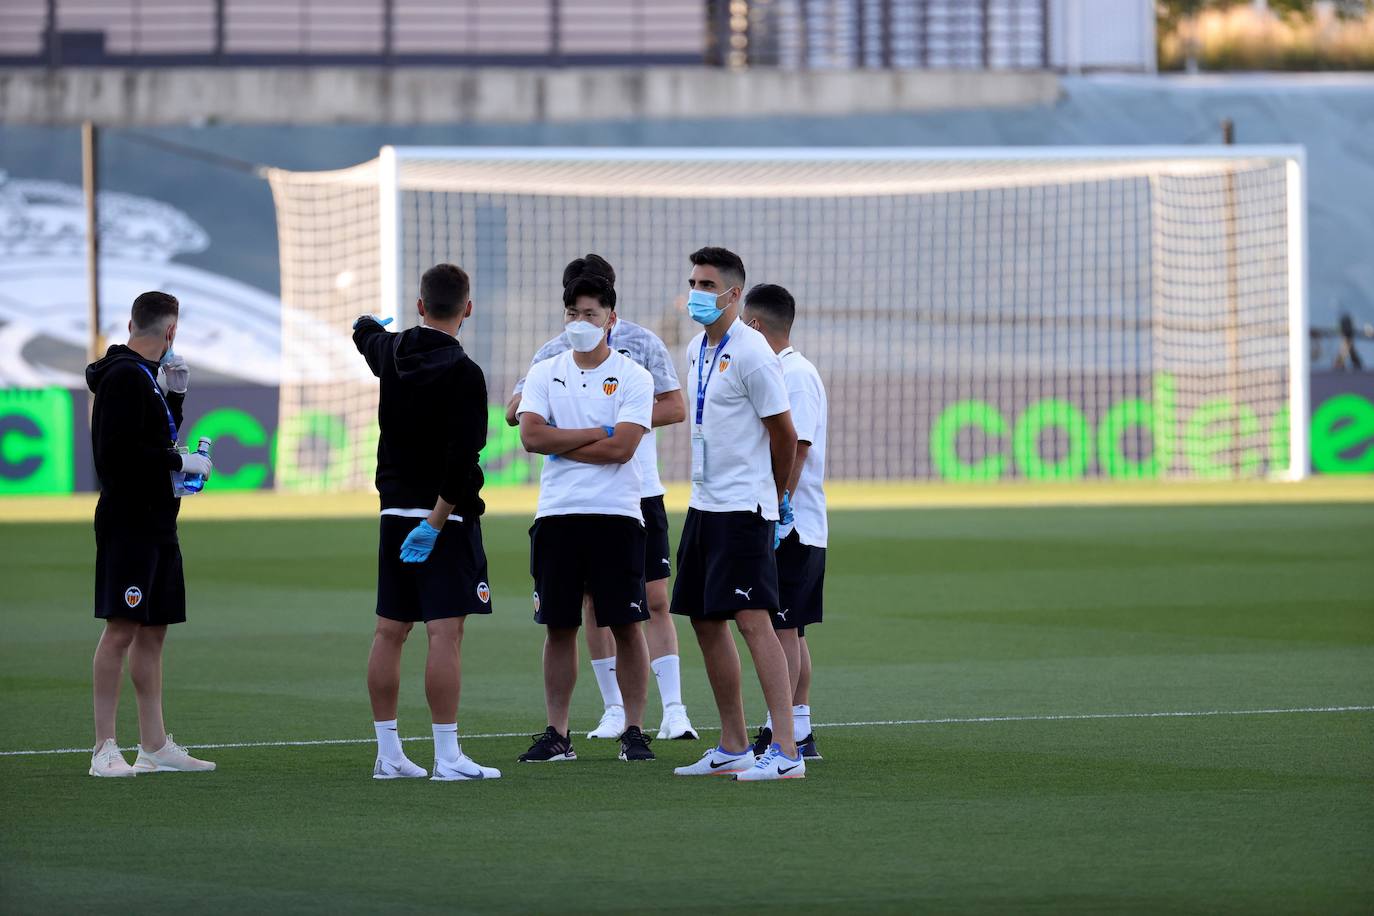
(194, 483)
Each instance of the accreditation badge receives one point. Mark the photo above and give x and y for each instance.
(698, 455)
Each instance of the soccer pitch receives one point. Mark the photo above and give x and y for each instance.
(1124, 709)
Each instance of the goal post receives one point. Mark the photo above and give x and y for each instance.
(982, 314)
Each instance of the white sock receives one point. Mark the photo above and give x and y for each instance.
(669, 673)
(768, 722)
(801, 722)
(388, 740)
(446, 742)
(605, 679)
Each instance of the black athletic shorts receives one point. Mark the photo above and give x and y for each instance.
(801, 579)
(657, 550)
(725, 564)
(139, 580)
(451, 583)
(598, 555)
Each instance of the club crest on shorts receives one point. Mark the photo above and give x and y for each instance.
(536, 602)
(724, 362)
(133, 596)
(610, 385)
(483, 592)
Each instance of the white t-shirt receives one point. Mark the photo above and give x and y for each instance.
(644, 347)
(810, 415)
(570, 397)
(745, 386)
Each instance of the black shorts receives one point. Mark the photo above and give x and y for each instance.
(657, 550)
(598, 555)
(139, 580)
(451, 583)
(725, 564)
(801, 579)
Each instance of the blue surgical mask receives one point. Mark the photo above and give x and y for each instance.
(701, 305)
(166, 357)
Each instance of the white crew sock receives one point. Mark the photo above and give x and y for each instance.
(388, 740)
(446, 742)
(668, 671)
(604, 668)
(801, 722)
(768, 722)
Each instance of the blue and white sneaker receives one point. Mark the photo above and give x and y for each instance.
(774, 765)
(461, 769)
(718, 762)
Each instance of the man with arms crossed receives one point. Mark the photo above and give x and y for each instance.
(139, 586)
(643, 346)
(743, 444)
(587, 410)
(771, 310)
(433, 418)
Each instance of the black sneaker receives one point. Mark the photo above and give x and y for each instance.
(807, 748)
(762, 741)
(634, 745)
(548, 747)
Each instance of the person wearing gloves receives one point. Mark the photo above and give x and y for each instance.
(431, 565)
(140, 588)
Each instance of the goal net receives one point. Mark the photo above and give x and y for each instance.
(989, 314)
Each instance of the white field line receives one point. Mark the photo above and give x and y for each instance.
(883, 723)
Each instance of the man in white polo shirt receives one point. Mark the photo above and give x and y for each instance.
(587, 409)
(743, 444)
(771, 310)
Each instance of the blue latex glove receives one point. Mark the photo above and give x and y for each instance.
(785, 516)
(382, 321)
(419, 543)
(777, 538)
(610, 431)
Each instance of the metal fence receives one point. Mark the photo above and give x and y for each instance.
(793, 34)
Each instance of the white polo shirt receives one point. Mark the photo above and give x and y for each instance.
(570, 397)
(645, 348)
(745, 386)
(810, 415)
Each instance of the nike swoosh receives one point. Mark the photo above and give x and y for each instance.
(782, 772)
(717, 766)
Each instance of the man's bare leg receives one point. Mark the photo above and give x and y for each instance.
(145, 669)
(632, 670)
(722, 670)
(802, 695)
(107, 672)
(771, 665)
(560, 674)
(443, 668)
(661, 631)
(600, 642)
(384, 667)
(791, 650)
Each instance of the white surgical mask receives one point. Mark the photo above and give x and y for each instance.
(583, 335)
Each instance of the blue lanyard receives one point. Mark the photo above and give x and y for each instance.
(171, 424)
(702, 383)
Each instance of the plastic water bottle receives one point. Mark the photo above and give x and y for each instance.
(194, 483)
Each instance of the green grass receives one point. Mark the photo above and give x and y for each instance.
(935, 614)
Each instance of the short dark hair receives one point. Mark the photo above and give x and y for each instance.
(723, 260)
(774, 305)
(152, 309)
(444, 289)
(588, 285)
(593, 265)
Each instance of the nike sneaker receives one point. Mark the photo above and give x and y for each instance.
(774, 765)
(108, 761)
(548, 747)
(762, 741)
(718, 762)
(404, 768)
(612, 724)
(170, 758)
(807, 748)
(634, 745)
(676, 726)
(462, 768)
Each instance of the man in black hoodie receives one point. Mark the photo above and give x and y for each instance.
(139, 587)
(433, 418)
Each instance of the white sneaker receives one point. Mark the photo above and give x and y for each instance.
(676, 725)
(172, 758)
(612, 724)
(404, 768)
(717, 762)
(774, 765)
(108, 761)
(462, 768)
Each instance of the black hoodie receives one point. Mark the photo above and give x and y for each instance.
(133, 448)
(433, 418)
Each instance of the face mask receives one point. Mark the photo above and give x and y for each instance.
(166, 357)
(701, 305)
(584, 336)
